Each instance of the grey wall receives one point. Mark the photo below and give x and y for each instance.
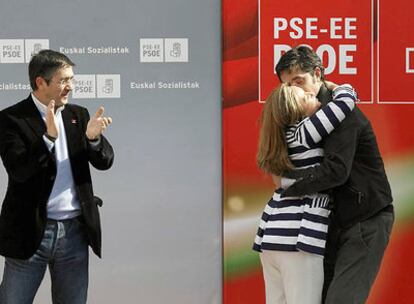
(162, 198)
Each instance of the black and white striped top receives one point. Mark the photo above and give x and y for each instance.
(301, 223)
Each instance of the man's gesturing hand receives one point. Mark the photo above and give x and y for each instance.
(97, 124)
(51, 121)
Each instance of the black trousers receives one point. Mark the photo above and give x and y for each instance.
(353, 258)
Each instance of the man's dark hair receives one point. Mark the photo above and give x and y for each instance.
(45, 64)
(301, 57)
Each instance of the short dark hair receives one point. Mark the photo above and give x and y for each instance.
(301, 57)
(45, 64)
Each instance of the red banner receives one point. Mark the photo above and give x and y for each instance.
(395, 52)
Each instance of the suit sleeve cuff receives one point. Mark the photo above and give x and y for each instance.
(95, 143)
(49, 144)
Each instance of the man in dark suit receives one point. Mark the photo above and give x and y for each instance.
(50, 215)
(353, 172)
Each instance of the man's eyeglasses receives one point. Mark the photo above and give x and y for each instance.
(64, 82)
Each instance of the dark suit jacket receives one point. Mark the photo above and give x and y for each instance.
(31, 170)
(352, 169)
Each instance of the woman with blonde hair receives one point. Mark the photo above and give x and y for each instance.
(292, 232)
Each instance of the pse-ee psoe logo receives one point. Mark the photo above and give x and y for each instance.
(163, 50)
(21, 50)
(97, 86)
